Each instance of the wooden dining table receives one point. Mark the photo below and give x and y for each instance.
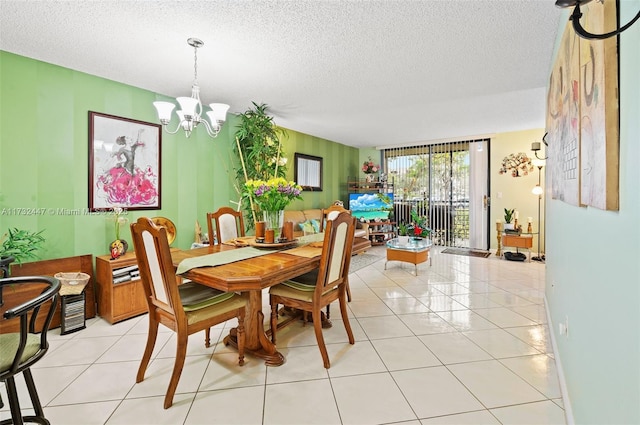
(249, 277)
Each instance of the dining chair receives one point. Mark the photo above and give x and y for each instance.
(20, 350)
(313, 291)
(225, 223)
(186, 308)
(329, 214)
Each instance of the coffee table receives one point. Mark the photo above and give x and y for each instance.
(414, 251)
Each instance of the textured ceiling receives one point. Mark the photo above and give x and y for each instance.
(362, 73)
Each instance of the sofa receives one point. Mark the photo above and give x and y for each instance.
(298, 217)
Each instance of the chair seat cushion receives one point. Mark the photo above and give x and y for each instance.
(9, 347)
(300, 288)
(195, 296)
(219, 308)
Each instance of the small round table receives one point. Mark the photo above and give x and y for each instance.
(415, 251)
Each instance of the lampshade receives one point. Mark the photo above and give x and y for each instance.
(537, 190)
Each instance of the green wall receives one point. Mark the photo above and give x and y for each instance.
(44, 158)
(593, 273)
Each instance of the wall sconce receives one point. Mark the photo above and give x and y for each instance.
(535, 146)
(576, 15)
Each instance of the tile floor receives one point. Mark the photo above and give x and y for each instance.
(464, 342)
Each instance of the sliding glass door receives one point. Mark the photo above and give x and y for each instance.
(448, 184)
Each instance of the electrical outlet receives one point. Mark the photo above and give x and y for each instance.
(563, 327)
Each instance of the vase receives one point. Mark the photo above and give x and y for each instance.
(274, 221)
(370, 178)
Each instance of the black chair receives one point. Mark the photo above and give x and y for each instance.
(20, 350)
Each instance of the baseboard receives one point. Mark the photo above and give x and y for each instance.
(566, 401)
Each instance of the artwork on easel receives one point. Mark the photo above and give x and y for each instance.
(599, 111)
(583, 115)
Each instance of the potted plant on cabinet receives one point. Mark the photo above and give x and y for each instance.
(508, 216)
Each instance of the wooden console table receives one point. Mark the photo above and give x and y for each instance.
(524, 240)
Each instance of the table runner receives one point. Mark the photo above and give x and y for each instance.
(231, 256)
(220, 258)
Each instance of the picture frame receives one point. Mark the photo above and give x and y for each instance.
(308, 171)
(124, 163)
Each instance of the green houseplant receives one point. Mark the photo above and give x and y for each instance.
(508, 215)
(21, 245)
(259, 151)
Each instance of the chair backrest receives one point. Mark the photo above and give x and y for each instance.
(331, 213)
(228, 224)
(156, 268)
(17, 356)
(336, 252)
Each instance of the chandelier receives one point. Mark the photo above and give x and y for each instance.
(190, 113)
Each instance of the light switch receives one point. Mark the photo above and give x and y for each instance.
(499, 195)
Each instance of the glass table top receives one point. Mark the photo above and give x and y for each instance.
(411, 245)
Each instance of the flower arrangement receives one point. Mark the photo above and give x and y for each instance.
(368, 167)
(518, 164)
(273, 194)
(119, 220)
(417, 228)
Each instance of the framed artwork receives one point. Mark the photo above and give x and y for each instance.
(124, 163)
(583, 115)
(308, 171)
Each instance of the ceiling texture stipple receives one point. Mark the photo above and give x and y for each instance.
(361, 73)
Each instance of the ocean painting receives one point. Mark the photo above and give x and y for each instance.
(371, 206)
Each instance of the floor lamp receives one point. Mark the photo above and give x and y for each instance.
(537, 190)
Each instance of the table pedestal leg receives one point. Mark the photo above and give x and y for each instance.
(256, 342)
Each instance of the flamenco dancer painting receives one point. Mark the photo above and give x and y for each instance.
(125, 183)
(124, 165)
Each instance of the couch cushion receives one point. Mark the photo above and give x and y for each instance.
(313, 214)
(295, 216)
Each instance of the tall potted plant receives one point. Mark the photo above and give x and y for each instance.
(259, 151)
(19, 245)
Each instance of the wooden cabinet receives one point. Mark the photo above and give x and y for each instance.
(120, 291)
(517, 241)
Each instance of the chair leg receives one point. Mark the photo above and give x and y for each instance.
(274, 320)
(345, 318)
(33, 393)
(14, 404)
(241, 337)
(181, 354)
(207, 337)
(348, 289)
(148, 350)
(317, 327)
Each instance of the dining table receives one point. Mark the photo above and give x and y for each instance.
(250, 276)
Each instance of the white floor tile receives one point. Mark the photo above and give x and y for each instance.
(306, 402)
(539, 371)
(493, 384)
(405, 353)
(435, 391)
(370, 399)
(542, 413)
(426, 323)
(384, 327)
(150, 410)
(453, 348)
(481, 417)
(500, 343)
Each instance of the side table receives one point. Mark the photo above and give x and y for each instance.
(524, 240)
